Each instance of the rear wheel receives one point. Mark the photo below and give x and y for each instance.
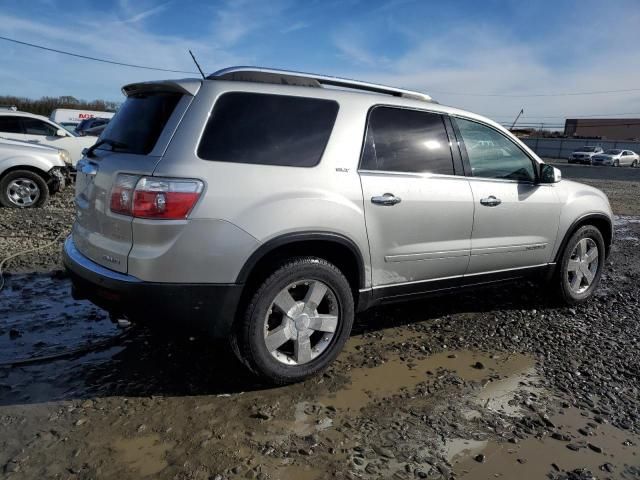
(23, 189)
(581, 265)
(634, 164)
(297, 321)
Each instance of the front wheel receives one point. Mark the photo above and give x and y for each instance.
(23, 189)
(581, 265)
(616, 163)
(297, 321)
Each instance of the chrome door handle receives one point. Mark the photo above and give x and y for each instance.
(490, 201)
(386, 199)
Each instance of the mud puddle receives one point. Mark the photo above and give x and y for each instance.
(144, 455)
(35, 324)
(395, 376)
(605, 450)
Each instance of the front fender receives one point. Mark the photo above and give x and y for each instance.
(33, 161)
(580, 203)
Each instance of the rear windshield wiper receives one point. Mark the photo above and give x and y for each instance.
(105, 141)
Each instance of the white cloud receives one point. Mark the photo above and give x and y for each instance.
(236, 19)
(475, 58)
(44, 73)
(134, 16)
(294, 27)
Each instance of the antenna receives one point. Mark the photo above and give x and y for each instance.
(197, 64)
(514, 122)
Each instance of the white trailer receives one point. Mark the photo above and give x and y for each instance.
(69, 118)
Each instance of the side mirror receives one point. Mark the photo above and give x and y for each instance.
(549, 174)
(61, 133)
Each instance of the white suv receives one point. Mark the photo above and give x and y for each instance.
(28, 127)
(268, 207)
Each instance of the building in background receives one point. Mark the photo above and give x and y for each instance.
(605, 128)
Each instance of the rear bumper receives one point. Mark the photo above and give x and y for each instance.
(207, 307)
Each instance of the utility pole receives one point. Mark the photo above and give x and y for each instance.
(514, 122)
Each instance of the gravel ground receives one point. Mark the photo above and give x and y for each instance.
(498, 383)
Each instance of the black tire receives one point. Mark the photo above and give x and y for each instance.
(616, 163)
(249, 340)
(562, 287)
(634, 164)
(43, 195)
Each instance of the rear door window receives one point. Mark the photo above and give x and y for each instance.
(268, 129)
(140, 121)
(404, 140)
(33, 126)
(10, 124)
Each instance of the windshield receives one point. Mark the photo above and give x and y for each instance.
(613, 152)
(587, 149)
(139, 122)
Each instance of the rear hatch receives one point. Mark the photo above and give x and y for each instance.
(133, 143)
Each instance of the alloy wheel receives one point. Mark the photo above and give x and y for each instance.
(23, 192)
(583, 265)
(301, 322)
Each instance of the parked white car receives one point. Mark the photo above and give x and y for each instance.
(584, 154)
(28, 127)
(30, 173)
(616, 158)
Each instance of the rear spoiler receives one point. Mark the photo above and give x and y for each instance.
(188, 86)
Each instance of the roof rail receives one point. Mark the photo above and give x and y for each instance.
(284, 77)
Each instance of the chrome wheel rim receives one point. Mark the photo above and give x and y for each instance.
(583, 265)
(301, 322)
(23, 192)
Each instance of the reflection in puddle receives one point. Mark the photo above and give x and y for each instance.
(535, 458)
(144, 454)
(455, 448)
(368, 384)
(297, 472)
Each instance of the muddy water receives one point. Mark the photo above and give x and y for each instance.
(153, 408)
(395, 376)
(534, 458)
(144, 455)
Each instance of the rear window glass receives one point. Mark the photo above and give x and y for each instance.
(140, 121)
(33, 126)
(10, 124)
(268, 129)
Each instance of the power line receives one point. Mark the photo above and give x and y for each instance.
(579, 125)
(86, 57)
(568, 116)
(145, 67)
(531, 95)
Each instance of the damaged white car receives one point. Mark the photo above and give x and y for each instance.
(30, 173)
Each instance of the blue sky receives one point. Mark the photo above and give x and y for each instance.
(457, 51)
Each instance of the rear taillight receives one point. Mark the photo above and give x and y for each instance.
(122, 193)
(151, 197)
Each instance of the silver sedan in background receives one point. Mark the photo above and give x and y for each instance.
(616, 158)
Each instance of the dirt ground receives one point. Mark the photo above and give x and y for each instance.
(498, 383)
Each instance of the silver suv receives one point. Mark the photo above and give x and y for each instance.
(267, 207)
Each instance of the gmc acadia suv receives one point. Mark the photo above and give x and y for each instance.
(267, 207)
